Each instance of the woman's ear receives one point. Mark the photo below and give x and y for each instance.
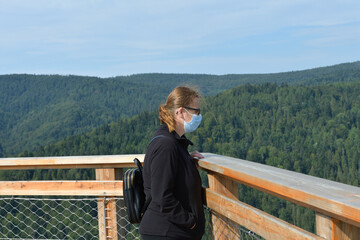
(179, 112)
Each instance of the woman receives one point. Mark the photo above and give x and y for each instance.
(171, 178)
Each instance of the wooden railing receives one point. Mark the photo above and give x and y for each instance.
(337, 205)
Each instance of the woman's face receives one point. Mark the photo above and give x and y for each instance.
(183, 113)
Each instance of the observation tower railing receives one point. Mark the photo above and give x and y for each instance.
(26, 206)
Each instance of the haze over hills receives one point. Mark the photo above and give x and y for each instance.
(40, 109)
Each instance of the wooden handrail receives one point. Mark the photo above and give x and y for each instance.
(61, 188)
(253, 218)
(331, 198)
(94, 161)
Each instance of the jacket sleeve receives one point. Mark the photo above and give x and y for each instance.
(163, 174)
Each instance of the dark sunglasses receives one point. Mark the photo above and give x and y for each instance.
(197, 110)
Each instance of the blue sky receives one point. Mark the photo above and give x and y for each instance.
(113, 38)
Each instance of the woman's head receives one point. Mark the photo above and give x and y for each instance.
(181, 99)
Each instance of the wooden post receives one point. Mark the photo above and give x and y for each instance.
(228, 188)
(334, 229)
(323, 226)
(107, 210)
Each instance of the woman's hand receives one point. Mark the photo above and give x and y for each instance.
(195, 155)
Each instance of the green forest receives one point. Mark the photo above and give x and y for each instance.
(36, 110)
(308, 128)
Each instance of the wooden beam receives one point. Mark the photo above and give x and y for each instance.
(227, 188)
(61, 188)
(223, 186)
(337, 200)
(261, 223)
(97, 161)
(324, 226)
(108, 210)
(334, 229)
(344, 231)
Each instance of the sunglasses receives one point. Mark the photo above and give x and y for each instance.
(197, 110)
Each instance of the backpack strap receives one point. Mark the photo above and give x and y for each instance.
(138, 164)
(156, 138)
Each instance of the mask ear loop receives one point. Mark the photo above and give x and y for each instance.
(192, 115)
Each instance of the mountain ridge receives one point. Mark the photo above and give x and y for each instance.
(40, 109)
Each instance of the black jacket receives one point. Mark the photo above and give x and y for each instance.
(174, 183)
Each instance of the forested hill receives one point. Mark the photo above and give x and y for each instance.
(309, 129)
(40, 109)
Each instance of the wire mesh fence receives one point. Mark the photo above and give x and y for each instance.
(88, 218)
(220, 227)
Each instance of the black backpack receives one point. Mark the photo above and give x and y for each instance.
(134, 195)
(133, 187)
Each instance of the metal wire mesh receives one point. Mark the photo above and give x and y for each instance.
(85, 218)
(39, 218)
(222, 228)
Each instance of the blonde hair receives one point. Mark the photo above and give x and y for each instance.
(179, 97)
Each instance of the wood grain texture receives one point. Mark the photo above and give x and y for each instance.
(263, 224)
(227, 188)
(337, 200)
(334, 229)
(97, 161)
(61, 188)
(324, 226)
(107, 211)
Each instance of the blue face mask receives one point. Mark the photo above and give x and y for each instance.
(193, 124)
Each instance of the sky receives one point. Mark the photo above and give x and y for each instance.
(120, 37)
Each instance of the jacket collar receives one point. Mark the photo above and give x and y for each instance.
(183, 140)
